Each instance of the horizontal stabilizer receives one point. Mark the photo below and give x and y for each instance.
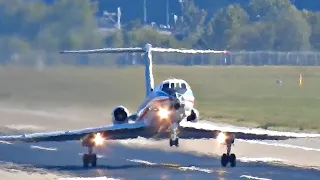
(105, 50)
(187, 51)
(147, 48)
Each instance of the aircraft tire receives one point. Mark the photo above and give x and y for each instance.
(93, 160)
(224, 160)
(232, 159)
(176, 142)
(86, 160)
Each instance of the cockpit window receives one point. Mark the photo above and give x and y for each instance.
(183, 85)
(180, 88)
(165, 86)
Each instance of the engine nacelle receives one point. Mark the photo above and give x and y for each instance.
(194, 116)
(120, 115)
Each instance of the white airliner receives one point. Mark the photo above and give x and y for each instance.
(167, 112)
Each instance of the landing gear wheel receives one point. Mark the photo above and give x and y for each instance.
(93, 160)
(174, 142)
(86, 160)
(224, 160)
(89, 159)
(232, 160)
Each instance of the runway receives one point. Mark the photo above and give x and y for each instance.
(118, 161)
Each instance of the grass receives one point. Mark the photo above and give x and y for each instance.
(238, 95)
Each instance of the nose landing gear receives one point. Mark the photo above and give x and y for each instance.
(174, 139)
(174, 142)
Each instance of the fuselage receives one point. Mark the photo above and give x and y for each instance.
(165, 94)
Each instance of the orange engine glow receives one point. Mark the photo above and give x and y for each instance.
(98, 139)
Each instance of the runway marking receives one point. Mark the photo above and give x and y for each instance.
(139, 140)
(38, 113)
(253, 177)
(260, 159)
(279, 145)
(173, 166)
(5, 142)
(142, 161)
(89, 178)
(24, 127)
(44, 148)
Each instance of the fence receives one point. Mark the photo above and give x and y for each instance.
(257, 58)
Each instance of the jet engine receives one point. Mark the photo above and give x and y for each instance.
(194, 115)
(120, 115)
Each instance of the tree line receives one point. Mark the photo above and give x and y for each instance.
(257, 25)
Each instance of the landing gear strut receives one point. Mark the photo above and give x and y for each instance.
(90, 157)
(229, 157)
(174, 139)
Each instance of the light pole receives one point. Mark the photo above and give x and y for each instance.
(167, 10)
(145, 11)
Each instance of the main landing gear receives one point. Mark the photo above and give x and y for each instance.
(90, 157)
(174, 139)
(227, 157)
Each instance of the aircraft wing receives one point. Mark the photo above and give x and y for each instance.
(205, 129)
(117, 131)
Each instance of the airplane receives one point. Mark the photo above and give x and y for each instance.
(167, 112)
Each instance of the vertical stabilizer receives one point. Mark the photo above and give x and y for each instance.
(149, 81)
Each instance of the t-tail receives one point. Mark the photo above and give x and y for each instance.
(147, 50)
(149, 80)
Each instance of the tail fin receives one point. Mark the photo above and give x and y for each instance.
(147, 50)
(149, 80)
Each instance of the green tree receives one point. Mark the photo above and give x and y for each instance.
(224, 25)
(291, 30)
(190, 25)
(115, 39)
(254, 37)
(313, 19)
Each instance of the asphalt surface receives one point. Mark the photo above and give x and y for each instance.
(121, 162)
